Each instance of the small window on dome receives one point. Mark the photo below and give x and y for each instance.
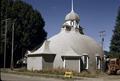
(68, 28)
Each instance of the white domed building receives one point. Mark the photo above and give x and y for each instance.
(68, 49)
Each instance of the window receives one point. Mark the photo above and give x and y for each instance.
(98, 62)
(85, 61)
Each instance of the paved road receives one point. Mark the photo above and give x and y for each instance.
(13, 77)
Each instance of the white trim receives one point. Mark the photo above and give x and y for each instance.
(96, 62)
(74, 24)
(64, 63)
(87, 63)
(99, 65)
(83, 59)
(79, 65)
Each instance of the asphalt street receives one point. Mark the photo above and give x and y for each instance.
(13, 77)
(16, 77)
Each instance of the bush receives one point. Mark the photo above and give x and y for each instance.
(57, 71)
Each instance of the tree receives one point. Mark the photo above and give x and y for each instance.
(115, 42)
(29, 27)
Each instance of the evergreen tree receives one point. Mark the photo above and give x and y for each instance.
(115, 42)
(29, 28)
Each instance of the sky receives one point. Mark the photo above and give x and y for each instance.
(95, 16)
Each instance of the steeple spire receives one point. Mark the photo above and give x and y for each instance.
(72, 15)
(72, 6)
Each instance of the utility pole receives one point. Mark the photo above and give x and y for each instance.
(12, 64)
(1, 41)
(102, 34)
(5, 42)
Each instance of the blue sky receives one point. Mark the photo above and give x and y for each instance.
(95, 16)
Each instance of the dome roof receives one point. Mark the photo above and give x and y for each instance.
(72, 16)
(81, 44)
